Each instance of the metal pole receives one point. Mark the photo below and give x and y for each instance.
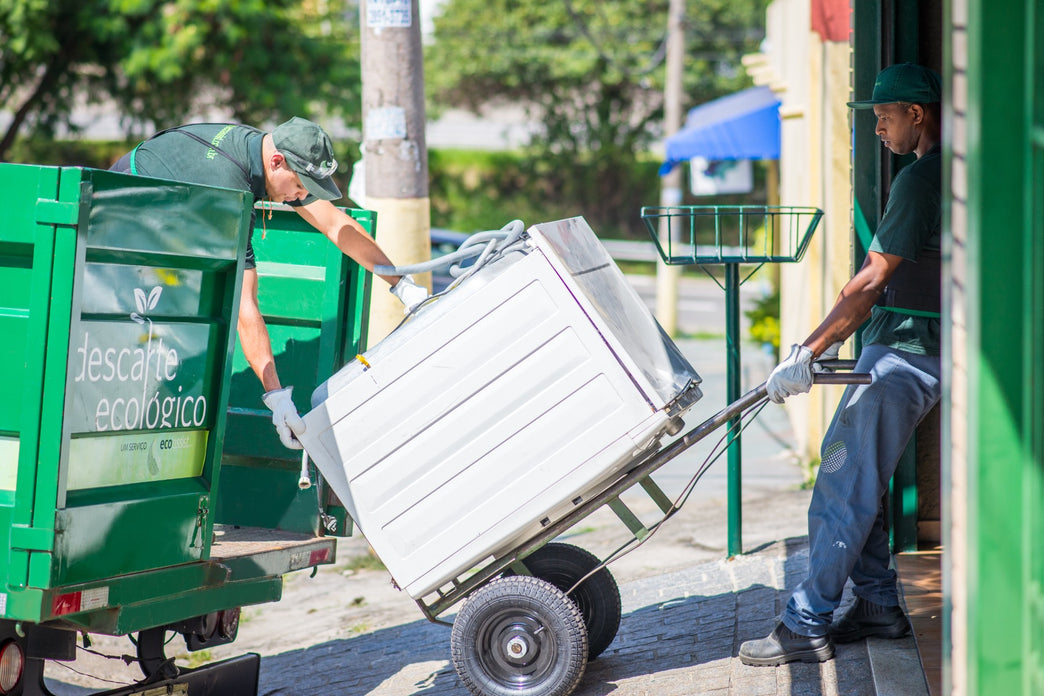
(396, 152)
(732, 382)
(671, 183)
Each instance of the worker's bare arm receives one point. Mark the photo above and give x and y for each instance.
(253, 334)
(349, 236)
(854, 303)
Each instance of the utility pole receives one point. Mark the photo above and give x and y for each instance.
(671, 183)
(395, 150)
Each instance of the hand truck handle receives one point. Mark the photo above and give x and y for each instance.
(841, 378)
(831, 377)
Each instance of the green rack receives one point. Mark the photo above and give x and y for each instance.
(720, 234)
(731, 236)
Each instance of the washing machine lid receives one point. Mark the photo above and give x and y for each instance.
(615, 306)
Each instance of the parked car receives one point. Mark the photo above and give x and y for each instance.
(443, 242)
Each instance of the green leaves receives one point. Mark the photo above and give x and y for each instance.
(166, 60)
(591, 74)
(590, 70)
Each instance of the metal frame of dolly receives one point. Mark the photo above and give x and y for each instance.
(610, 496)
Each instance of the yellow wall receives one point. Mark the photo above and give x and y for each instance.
(812, 79)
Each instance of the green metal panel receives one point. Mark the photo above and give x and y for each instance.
(160, 596)
(314, 299)
(119, 292)
(132, 529)
(1033, 356)
(1000, 325)
(867, 159)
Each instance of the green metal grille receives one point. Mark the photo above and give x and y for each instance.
(715, 234)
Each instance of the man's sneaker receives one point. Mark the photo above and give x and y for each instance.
(783, 645)
(866, 619)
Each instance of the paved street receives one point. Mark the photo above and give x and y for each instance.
(679, 633)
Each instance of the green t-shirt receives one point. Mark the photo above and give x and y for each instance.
(912, 222)
(231, 160)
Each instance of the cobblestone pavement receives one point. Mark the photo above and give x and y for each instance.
(678, 637)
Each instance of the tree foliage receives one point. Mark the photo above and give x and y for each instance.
(590, 72)
(164, 60)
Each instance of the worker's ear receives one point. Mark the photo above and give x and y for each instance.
(918, 112)
(277, 160)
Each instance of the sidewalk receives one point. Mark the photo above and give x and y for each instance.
(678, 637)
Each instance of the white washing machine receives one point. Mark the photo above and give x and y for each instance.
(496, 408)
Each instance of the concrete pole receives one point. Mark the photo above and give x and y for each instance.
(395, 151)
(671, 184)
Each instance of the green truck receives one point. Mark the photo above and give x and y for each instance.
(141, 482)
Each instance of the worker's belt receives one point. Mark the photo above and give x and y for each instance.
(915, 288)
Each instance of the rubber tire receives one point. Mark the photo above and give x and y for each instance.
(508, 607)
(598, 598)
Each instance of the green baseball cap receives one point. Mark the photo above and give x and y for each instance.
(904, 82)
(309, 152)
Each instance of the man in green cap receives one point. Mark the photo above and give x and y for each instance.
(294, 164)
(898, 289)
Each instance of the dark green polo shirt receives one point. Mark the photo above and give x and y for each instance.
(229, 157)
(912, 221)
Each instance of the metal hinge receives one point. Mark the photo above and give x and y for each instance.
(31, 538)
(202, 513)
(51, 212)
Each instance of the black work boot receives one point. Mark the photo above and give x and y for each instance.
(866, 619)
(783, 645)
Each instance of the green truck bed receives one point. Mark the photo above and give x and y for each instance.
(141, 482)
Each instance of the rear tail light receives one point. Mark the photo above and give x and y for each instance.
(12, 660)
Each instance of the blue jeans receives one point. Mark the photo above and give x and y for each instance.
(846, 532)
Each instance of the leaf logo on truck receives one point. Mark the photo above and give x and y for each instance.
(132, 383)
(145, 303)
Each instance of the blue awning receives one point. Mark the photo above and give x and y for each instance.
(744, 125)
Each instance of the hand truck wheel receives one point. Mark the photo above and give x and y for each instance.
(598, 598)
(519, 636)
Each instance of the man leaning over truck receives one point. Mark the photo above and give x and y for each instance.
(294, 164)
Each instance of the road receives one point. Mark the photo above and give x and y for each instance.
(701, 303)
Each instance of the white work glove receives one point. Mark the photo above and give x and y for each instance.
(830, 353)
(409, 293)
(792, 376)
(284, 416)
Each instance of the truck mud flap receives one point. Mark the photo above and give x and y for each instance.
(237, 676)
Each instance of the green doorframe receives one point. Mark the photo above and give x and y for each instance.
(999, 589)
(1033, 501)
(886, 33)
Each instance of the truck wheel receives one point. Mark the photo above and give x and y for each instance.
(598, 597)
(519, 636)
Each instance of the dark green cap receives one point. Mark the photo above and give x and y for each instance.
(905, 82)
(309, 152)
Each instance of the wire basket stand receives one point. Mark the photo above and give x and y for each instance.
(717, 234)
(731, 236)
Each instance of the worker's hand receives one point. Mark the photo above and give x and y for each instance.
(409, 293)
(284, 416)
(792, 376)
(830, 353)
